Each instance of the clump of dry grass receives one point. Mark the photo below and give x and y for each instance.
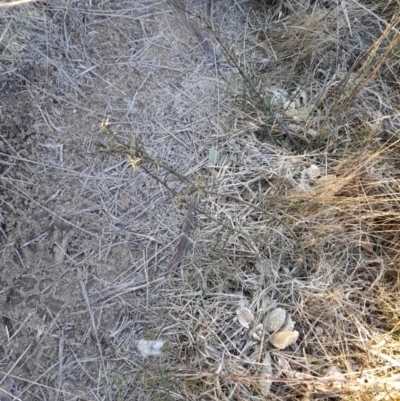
(311, 228)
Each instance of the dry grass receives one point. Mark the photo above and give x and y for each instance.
(324, 248)
(16, 3)
(301, 210)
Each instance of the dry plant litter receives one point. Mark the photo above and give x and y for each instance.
(200, 200)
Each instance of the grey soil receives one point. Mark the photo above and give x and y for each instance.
(80, 229)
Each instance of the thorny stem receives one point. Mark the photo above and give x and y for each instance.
(134, 150)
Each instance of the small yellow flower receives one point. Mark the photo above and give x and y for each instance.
(104, 124)
(135, 162)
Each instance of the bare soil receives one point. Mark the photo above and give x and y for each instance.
(75, 222)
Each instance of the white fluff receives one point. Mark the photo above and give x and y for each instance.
(149, 347)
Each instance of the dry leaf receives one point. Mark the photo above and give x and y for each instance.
(294, 128)
(150, 347)
(319, 331)
(257, 332)
(313, 172)
(213, 155)
(300, 114)
(283, 339)
(303, 97)
(245, 316)
(274, 320)
(332, 371)
(289, 324)
(312, 133)
(264, 384)
(284, 367)
(124, 201)
(330, 185)
(288, 105)
(260, 266)
(267, 303)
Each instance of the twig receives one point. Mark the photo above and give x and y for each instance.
(187, 225)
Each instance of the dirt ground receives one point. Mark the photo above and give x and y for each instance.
(75, 222)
